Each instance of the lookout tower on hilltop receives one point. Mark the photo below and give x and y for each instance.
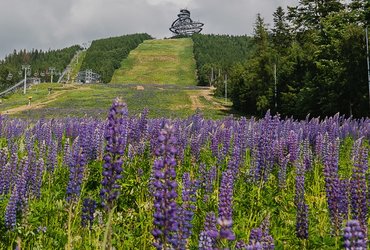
(183, 25)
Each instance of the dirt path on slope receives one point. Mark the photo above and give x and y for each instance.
(39, 104)
(196, 103)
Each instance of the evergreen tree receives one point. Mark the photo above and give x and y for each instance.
(281, 36)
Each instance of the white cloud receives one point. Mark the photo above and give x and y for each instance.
(48, 24)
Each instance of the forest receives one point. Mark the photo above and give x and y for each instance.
(317, 52)
(104, 56)
(216, 54)
(40, 61)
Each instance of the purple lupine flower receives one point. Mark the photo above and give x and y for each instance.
(209, 182)
(354, 236)
(12, 168)
(164, 183)
(42, 149)
(32, 188)
(240, 245)
(242, 136)
(88, 210)
(115, 132)
(38, 180)
(207, 179)
(209, 234)
(344, 197)
(8, 181)
(358, 183)
(293, 146)
(332, 185)
(67, 154)
(52, 156)
(255, 237)
(58, 130)
(195, 146)
(76, 172)
(226, 142)
(307, 155)
(225, 211)
(99, 142)
(262, 151)
(85, 139)
(260, 237)
(236, 156)
(267, 239)
(22, 182)
(186, 211)
(18, 198)
(302, 208)
(11, 210)
(319, 145)
(214, 143)
(205, 241)
(4, 170)
(282, 170)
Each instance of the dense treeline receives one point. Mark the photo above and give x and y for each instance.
(217, 54)
(104, 56)
(39, 61)
(319, 51)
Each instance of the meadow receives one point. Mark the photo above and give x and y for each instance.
(168, 61)
(93, 100)
(134, 182)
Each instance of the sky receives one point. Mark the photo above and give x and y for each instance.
(56, 24)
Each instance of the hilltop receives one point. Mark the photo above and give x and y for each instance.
(168, 61)
(156, 74)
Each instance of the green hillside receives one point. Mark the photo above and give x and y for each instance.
(158, 75)
(168, 61)
(105, 55)
(95, 99)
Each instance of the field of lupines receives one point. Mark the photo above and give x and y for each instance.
(129, 182)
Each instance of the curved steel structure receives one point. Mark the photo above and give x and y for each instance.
(183, 25)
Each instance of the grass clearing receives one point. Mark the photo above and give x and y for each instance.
(94, 100)
(168, 61)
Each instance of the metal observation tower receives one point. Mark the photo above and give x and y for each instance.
(183, 25)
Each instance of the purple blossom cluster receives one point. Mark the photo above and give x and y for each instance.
(186, 210)
(358, 186)
(354, 236)
(209, 234)
(225, 211)
(334, 187)
(18, 198)
(115, 136)
(88, 209)
(272, 146)
(166, 224)
(302, 208)
(259, 238)
(76, 172)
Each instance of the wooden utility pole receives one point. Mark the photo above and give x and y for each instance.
(368, 64)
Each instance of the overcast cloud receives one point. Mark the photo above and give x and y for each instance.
(44, 24)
